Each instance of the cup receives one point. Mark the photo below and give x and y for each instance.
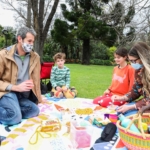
(80, 136)
(113, 118)
(30, 83)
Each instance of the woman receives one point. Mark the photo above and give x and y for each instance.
(139, 56)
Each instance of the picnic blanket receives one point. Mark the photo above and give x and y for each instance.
(21, 135)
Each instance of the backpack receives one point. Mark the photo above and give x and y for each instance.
(49, 86)
(43, 88)
(108, 132)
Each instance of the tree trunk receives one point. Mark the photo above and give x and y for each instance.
(38, 20)
(29, 14)
(39, 46)
(86, 52)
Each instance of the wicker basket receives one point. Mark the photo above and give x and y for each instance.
(132, 140)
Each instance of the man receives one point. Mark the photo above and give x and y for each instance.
(19, 79)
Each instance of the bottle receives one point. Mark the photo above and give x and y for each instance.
(144, 126)
(125, 123)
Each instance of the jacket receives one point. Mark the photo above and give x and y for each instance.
(137, 90)
(9, 71)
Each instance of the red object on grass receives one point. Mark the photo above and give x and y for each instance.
(46, 68)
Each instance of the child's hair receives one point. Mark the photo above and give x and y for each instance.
(123, 52)
(59, 56)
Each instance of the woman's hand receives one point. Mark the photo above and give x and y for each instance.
(124, 108)
(118, 98)
(144, 108)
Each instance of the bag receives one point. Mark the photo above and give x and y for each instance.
(43, 88)
(49, 86)
(108, 132)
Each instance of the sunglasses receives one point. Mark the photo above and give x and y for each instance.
(134, 61)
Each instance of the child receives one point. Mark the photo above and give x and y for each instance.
(122, 81)
(60, 78)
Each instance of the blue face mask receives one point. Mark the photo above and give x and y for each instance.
(136, 66)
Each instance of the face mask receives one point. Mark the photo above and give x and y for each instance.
(27, 47)
(136, 66)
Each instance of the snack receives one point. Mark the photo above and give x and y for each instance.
(51, 125)
(99, 122)
(84, 111)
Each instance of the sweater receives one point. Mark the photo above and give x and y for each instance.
(122, 80)
(60, 77)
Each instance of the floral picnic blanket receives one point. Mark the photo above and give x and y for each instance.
(20, 137)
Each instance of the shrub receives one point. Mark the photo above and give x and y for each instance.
(99, 51)
(111, 51)
(47, 58)
(100, 62)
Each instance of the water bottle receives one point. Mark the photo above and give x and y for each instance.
(125, 123)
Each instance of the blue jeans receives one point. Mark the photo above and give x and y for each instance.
(12, 109)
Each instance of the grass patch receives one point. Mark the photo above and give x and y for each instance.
(90, 81)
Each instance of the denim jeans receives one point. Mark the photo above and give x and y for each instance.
(13, 109)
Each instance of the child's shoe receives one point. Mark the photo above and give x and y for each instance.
(74, 90)
(69, 94)
(58, 94)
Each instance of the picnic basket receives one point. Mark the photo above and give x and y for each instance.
(132, 140)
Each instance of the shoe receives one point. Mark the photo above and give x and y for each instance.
(58, 94)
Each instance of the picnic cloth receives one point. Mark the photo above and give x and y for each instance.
(18, 138)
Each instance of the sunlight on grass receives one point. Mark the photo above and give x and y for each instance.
(90, 81)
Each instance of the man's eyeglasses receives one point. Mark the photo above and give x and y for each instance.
(134, 61)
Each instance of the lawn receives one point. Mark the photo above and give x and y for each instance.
(90, 81)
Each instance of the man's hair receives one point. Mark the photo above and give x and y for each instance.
(22, 32)
(59, 56)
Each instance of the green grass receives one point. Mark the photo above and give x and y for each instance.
(90, 81)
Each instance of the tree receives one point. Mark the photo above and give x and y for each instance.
(41, 17)
(38, 22)
(84, 25)
(132, 22)
(7, 36)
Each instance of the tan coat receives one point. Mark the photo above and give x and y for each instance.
(9, 71)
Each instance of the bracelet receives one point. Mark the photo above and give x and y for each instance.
(135, 106)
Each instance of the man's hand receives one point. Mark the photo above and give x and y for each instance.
(23, 87)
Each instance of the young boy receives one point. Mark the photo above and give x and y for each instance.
(60, 78)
